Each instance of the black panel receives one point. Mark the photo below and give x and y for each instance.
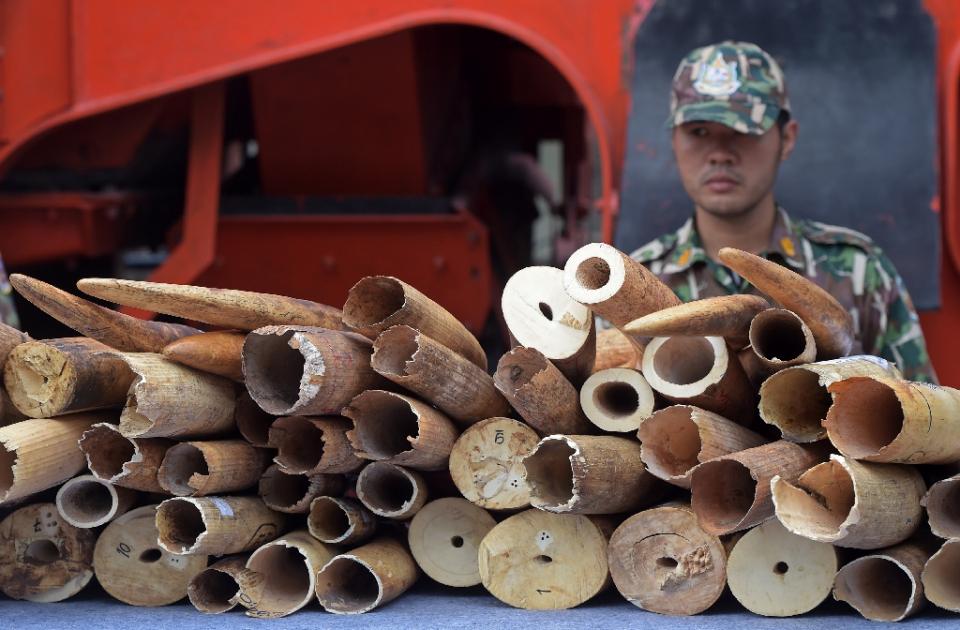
(860, 75)
(348, 205)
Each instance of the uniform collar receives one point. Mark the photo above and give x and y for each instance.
(785, 244)
(786, 241)
(687, 250)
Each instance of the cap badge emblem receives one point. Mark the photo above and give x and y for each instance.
(717, 78)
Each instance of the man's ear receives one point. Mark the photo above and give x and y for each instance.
(788, 138)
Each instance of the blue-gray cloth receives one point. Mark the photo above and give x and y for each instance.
(429, 607)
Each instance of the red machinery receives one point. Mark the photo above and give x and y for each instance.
(337, 100)
(939, 326)
(296, 148)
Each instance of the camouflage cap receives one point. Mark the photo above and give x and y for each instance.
(736, 84)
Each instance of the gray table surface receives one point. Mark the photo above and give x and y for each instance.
(428, 606)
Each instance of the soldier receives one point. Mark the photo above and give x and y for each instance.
(731, 127)
(8, 312)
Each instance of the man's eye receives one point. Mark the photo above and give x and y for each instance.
(699, 132)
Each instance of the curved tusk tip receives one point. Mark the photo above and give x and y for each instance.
(18, 280)
(731, 253)
(92, 284)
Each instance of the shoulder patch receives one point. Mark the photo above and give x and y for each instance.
(657, 248)
(826, 234)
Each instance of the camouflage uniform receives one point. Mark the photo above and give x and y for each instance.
(844, 262)
(739, 85)
(8, 313)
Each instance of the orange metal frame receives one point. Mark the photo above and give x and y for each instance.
(197, 246)
(354, 246)
(71, 59)
(940, 326)
(168, 47)
(48, 226)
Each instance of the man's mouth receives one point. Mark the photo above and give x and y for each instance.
(720, 183)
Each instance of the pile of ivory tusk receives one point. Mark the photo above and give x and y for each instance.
(295, 451)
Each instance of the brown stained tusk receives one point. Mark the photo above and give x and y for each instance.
(401, 430)
(87, 502)
(882, 419)
(616, 287)
(377, 303)
(614, 349)
(584, 474)
(674, 440)
(851, 504)
(941, 577)
(167, 399)
(313, 445)
(732, 492)
(886, 585)
(133, 568)
(10, 338)
(122, 461)
(391, 491)
(796, 400)
(780, 339)
(41, 453)
(8, 411)
(42, 558)
(193, 469)
(775, 573)
(366, 577)
(829, 321)
(292, 493)
(288, 567)
(540, 393)
(218, 352)
(726, 316)
(117, 330)
(221, 586)
(700, 371)
(340, 521)
(252, 422)
(436, 373)
(943, 507)
(225, 308)
(661, 560)
(486, 463)
(54, 377)
(304, 371)
(540, 314)
(216, 525)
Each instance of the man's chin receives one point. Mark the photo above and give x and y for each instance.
(728, 209)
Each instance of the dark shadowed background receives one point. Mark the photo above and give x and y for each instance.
(860, 77)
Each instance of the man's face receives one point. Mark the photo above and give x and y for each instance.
(725, 172)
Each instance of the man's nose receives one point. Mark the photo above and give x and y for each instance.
(721, 154)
